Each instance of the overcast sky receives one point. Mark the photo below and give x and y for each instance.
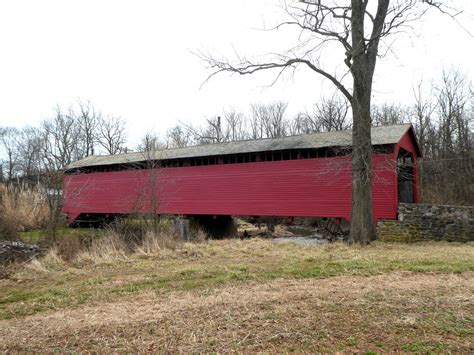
(134, 58)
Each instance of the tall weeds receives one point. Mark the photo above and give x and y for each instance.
(22, 207)
(49, 262)
(120, 242)
(109, 248)
(155, 243)
(132, 237)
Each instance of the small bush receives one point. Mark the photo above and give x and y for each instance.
(70, 246)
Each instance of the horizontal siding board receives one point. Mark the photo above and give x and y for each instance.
(307, 187)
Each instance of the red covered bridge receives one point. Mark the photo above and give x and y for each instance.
(306, 175)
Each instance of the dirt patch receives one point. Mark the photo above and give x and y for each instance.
(392, 312)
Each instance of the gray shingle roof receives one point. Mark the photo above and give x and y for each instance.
(380, 135)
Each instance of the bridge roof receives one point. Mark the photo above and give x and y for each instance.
(381, 135)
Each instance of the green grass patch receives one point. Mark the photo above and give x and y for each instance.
(425, 346)
(37, 235)
(216, 263)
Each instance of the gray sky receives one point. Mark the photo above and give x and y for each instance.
(133, 58)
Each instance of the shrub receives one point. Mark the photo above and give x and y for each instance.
(8, 227)
(70, 246)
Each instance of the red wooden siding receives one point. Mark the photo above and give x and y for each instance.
(307, 187)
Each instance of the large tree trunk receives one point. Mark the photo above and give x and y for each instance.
(362, 219)
(364, 57)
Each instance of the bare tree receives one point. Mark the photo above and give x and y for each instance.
(276, 123)
(208, 134)
(29, 150)
(389, 114)
(444, 125)
(111, 134)
(229, 127)
(330, 114)
(268, 120)
(213, 132)
(9, 141)
(422, 112)
(179, 137)
(58, 148)
(355, 29)
(303, 123)
(61, 137)
(453, 96)
(151, 187)
(234, 126)
(257, 121)
(88, 119)
(150, 142)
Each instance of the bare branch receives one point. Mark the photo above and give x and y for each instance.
(246, 68)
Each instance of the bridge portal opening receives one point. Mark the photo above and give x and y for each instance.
(406, 177)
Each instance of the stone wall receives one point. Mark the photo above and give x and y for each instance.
(417, 222)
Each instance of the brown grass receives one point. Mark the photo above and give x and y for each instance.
(245, 296)
(48, 263)
(391, 312)
(107, 249)
(22, 207)
(157, 243)
(114, 247)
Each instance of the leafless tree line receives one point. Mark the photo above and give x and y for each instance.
(66, 136)
(444, 123)
(269, 120)
(443, 119)
(38, 155)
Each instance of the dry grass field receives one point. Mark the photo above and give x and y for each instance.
(253, 295)
(21, 208)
